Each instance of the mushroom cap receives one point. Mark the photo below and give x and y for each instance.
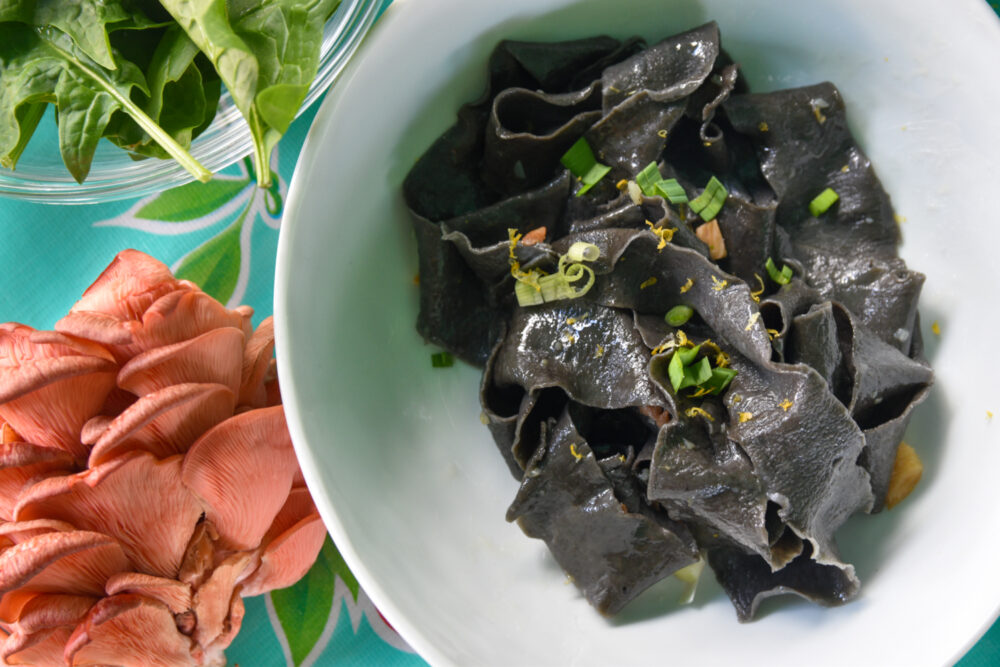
(23, 463)
(75, 562)
(257, 357)
(165, 422)
(171, 592)
(51, 384)
(250, 453)
(214, 356)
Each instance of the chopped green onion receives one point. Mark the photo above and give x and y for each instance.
(782, 277)
(824, 200)
(710, 201)
(581, 251)
(672, 190)
(648, 178)
(684, 372)
(678, 315)
(720, 379)
(562, 283)
(653, 184)
(580, 161)
(442, 360)
(696, 374)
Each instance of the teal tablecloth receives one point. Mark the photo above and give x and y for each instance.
(223, 235)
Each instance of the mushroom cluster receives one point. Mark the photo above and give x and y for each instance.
(147, 478)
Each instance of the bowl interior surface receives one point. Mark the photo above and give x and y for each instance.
(409, 481)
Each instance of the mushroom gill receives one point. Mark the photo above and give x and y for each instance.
(165, 422)
(251, 450)
(154, 534)
(51, 384)
(128, 630)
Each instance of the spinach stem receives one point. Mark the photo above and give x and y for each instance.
(158, 134)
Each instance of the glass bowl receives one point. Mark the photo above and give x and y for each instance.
(41, 175)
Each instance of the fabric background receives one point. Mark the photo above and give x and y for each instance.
(223, 235)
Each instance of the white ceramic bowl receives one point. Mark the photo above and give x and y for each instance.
(409, 481)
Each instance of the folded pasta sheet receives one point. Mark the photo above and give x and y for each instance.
(698, 340)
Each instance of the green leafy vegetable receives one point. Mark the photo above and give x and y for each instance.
(582, 163)
(267, 54)
(823, 201)
(710, 201)
(782, 277)
(183, 95)
(45, 66)
(85, 21)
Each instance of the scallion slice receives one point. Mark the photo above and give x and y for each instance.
(823, 201)
(580, 161)
(710, 201)
(720, 379)
(442, 360)
(678, 315)
(648, 178)
(672, 190)
(782, 277)
(696, 374)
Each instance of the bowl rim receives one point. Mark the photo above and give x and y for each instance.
(283, 280)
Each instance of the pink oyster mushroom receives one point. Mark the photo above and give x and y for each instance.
(147, 479)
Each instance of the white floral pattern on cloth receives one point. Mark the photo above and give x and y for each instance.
(229, 204)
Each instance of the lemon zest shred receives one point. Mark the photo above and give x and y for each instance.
(662, 134)
(936, 328)
(737, 398)
(846, 168)
(683, 340)
(785, 404)
(745, 417)
(989, 415)
(622, 184)
(599, 352)
(755, 295)
(648, 282)
(722, 360)
(752, 321)
(665, 234)
(762, 126)
(773, 333)
(570, 321)
(719, 284)
(695, 411)
(701, 391)
(686, 286)
(576, 455)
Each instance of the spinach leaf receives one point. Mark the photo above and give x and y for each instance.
(85, 21)
(183, 96)
(286, 37)
(207, 24)
(267, 54)
(45, 66)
